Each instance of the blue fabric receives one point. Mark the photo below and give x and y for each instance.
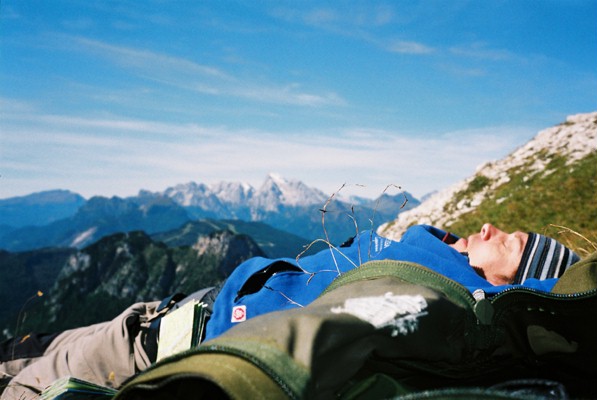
(300, 286)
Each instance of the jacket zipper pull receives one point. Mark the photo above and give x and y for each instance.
(483, 308)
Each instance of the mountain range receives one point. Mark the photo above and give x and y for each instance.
(104, 253)
(288, 205)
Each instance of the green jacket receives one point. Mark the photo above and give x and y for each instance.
(395, 329)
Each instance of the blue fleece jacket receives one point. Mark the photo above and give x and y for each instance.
(262, 285)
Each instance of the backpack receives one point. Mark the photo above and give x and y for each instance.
(392, 329)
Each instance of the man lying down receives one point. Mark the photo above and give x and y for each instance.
(109, 353)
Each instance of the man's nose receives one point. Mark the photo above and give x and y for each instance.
(488, 231)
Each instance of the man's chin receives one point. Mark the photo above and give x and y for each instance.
(461, 245)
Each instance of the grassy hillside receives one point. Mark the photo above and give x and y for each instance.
(561, 203)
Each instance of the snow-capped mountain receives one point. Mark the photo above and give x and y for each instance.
(283, 203)
(572, 140)
(201, 195)
(233, 192)
(275, 192)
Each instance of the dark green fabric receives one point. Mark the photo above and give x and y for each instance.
(579, 277)
(208, 376)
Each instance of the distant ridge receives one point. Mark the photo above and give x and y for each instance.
(38, 209)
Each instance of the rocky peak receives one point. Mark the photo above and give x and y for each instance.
(573, 140)
(233, 192)
(277, 191)
(229, 248)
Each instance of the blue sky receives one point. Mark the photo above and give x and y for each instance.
(110, 97)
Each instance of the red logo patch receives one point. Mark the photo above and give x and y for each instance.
(239, 314)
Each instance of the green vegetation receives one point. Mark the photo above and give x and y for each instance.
(560, 202)
(478, 183)
(26, 275)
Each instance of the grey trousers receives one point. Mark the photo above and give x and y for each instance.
(107, 353)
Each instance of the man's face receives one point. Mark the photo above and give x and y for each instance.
(495, 252)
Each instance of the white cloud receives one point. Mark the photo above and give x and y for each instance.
(148, 60)
(321, 16)
(482, 51)
(407, 47)
(118, 156)
(186, 74)
(289, 94)
(8, 105)
(465, 71)
(342, 19)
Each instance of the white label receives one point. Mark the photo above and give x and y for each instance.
(399, 312)
(239, 314)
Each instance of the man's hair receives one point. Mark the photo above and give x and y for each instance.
(544, 258)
